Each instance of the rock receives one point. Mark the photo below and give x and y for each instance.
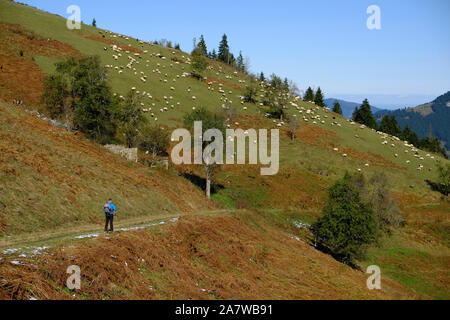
(131, 154)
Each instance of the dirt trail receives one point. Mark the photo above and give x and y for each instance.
(14, 244)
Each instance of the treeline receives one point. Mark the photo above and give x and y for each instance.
(389, 125)
(272, 94)
(167, 43)
(316, 97)
(223, 54)
(79, 93)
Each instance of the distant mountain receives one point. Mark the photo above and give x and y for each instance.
(347, 106)
(431, 117)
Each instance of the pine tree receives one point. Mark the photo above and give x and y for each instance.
(364, 115)
(231, 60)
(240, 62)
(201, 48)
(390, 125)
(318, 98)
(214, 54)
(337, 108)
(309, 95)
(286, 84)
(385, 124)
(410, 136)
(224, 50)
(262, 78)
(94, 23)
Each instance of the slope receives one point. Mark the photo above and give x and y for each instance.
(240, 255)
(432, 117)
(51, 179)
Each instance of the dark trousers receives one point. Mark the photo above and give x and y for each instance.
(109, 219)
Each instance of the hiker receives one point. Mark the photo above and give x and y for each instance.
(109, 209)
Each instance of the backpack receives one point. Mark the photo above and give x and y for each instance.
(106, 208)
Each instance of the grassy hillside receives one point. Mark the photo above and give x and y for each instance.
(51, 179)
(53, 182)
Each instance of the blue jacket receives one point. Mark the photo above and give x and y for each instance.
(112, 208)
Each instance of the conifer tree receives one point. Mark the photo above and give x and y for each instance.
(337, 108)
(364, 115)
(262, 77)
(240, 62)
(201, 48)
(318, 98)
(224, 50)
(309, 95)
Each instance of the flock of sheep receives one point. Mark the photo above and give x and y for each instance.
(159, 64)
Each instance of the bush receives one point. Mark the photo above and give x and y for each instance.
(198, 66)
(443, 184)
(384, 204)
(250, 93)
(348, 225)
(130, 117)
(79, 91)
(154, 140)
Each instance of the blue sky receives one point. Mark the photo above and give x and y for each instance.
(315, 43)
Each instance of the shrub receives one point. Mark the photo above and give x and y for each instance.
(250, 93)
(443, 184)
(155, 140)
(348, 225)
(198, 66)
(384, 204)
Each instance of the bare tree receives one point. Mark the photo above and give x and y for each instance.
(293, 125)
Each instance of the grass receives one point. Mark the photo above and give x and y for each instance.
(59, 180)
(424, 272)
(51, 181)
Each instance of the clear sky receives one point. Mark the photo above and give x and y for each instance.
(315, 43)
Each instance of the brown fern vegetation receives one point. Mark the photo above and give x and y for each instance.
(241, 256)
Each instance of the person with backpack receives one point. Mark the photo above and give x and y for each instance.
(109, 209)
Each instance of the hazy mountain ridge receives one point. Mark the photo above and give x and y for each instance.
(433, 117)
(347, 106)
